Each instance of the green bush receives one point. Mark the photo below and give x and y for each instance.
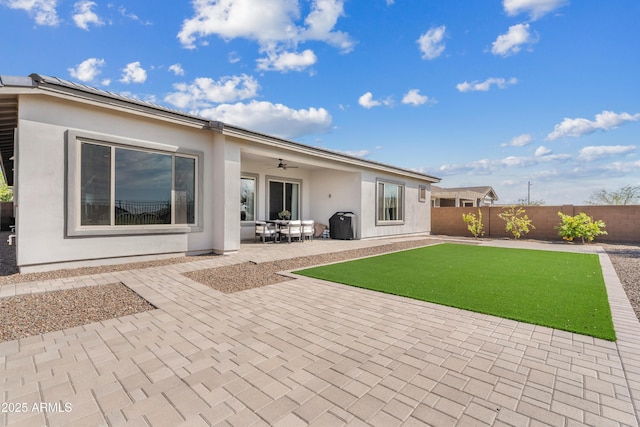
(474, 224)
(580, 226)
(516, 221)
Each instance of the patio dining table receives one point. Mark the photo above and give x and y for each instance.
(279, 224)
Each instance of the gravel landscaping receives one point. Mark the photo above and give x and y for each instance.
(626, 262)
(33, 314)
(39, 313)
(249, 275)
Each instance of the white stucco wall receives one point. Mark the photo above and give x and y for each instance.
(416, 214)
(42, 184)
(41, 178)
(335, 191)
(224, 190)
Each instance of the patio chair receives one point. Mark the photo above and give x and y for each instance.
(292, 230)
(265, 231)
(308, 229)
(126, 218)
(148, 218)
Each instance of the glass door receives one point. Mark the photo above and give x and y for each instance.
(284, 196)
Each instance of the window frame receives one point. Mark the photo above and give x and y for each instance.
(269, 179)
(422, 193)
(254, 177)
(74, 228)
(402, 207)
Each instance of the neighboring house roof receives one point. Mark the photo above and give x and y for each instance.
(91, 94)
(463, 192)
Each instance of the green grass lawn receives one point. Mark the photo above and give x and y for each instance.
(555, 289)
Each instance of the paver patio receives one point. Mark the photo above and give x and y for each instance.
(307, 352)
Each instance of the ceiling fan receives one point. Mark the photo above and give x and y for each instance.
(284, 166)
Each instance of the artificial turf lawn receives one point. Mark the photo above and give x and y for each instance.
(556, 289)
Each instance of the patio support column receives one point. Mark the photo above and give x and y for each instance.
(226, 195)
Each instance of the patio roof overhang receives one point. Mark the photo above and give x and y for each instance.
(8, 125)
(298, 149)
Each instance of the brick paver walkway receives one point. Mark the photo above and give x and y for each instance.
(307, 352)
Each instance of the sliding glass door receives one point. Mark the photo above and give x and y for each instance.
(284, 196)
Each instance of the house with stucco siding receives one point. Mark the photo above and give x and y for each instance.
(103, 178)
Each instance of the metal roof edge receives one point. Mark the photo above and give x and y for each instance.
(16, 81)
(56, 84)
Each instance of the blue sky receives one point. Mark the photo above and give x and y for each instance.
(476, 92)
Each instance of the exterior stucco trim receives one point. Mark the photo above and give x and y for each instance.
(73, 138)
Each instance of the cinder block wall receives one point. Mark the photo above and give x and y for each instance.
(623, 222)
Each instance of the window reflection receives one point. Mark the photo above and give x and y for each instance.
(247, 199)
(185, 187)
(390, 202)
(143, 187)
(95, 185)
(143, 184)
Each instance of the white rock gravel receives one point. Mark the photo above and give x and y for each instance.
(626, 262)
(33, 314)
(40, 313)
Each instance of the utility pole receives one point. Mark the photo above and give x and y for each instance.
(528, 193)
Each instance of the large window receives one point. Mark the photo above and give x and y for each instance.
(247, 198)
(389, 203)
(284, 196)
(127, 187)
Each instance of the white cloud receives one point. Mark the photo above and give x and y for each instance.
(204, 91)
(535, 8)
(542, 151)
(368, 102)
(595, 152)
(269, 22)
(355, 153)
(431, 43)
(519, 141)
(273, 119)
(511, 42)
(43, 11)
(177, 69)
(83, 15)
(287, 61)
(214, 99)
(132, 16)
(604, 121)
(321, 21)
(413, 97)
(390, 2)
(233, 57)
(133, 73)
(488, 166)
(87, 70)
(622, 168)
(480, 167)
(484, 86)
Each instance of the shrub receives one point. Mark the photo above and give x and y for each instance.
(474, 224)
(580, 226)
(516, 221)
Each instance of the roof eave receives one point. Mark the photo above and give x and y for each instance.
(231, 130)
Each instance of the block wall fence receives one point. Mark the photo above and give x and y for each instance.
(623, 222)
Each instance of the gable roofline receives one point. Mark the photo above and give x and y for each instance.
(91, 94)
(479, 192)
